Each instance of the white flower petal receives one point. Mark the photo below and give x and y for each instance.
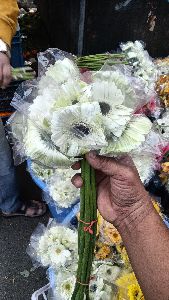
(62, 71)
(41, 149)
(132, 137)
(77, 129)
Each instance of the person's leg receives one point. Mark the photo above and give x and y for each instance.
(9, 194)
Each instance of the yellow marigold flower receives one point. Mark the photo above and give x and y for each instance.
(112, 235)
(162, 88)
(165, 167)
(108, 232)
(103, 252)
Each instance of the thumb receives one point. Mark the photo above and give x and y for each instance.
(107, 165)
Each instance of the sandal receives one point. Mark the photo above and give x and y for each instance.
(32, 209)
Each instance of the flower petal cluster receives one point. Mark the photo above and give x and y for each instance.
(61, 189)
(55, 247)
(141, 62)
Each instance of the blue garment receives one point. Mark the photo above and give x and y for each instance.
(9, 193)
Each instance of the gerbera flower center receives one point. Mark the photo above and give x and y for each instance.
(109, 272)
(105, 108)
(80, 130)
(75, 101)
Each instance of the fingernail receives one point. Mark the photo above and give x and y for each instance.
(92, 154)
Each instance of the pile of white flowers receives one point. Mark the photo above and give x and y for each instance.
(142, 64)
(55, 246)
(61, 189)
(58, 185)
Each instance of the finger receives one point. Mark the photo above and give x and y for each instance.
(77, 181)
(6, 75)
(76, 166)
(108, 166)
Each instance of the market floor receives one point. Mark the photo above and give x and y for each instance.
(18, 280)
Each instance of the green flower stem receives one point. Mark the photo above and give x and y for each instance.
(88, 213)
(24, 73)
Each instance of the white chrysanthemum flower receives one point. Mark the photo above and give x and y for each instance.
(41, 172)
(65, 284)
(62, 71)
(59, 255)
(39, 147)
(56, 247)
(145, 164)
(61, 189)
(132, 137)
(164, 124)
(108, 272)
(143, 65)
(77, 129)
(55, 233)
(70, 239)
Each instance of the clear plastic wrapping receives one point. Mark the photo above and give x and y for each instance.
(54, 245)
(65, 117)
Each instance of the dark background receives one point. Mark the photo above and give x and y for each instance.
(107, 23)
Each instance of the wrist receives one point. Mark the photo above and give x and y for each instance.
(129, 218)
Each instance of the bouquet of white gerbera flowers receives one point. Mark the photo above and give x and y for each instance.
(65, 117)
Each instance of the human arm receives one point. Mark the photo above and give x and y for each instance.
(123, 201)
(8, 22)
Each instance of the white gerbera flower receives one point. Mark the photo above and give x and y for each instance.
(62, 71)
(61, 189)
(39, 147)
(40, 109)
(132, 137)
(123, 92)
(77, 129)
(108, 272)
(116, 97)
(52, 99)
